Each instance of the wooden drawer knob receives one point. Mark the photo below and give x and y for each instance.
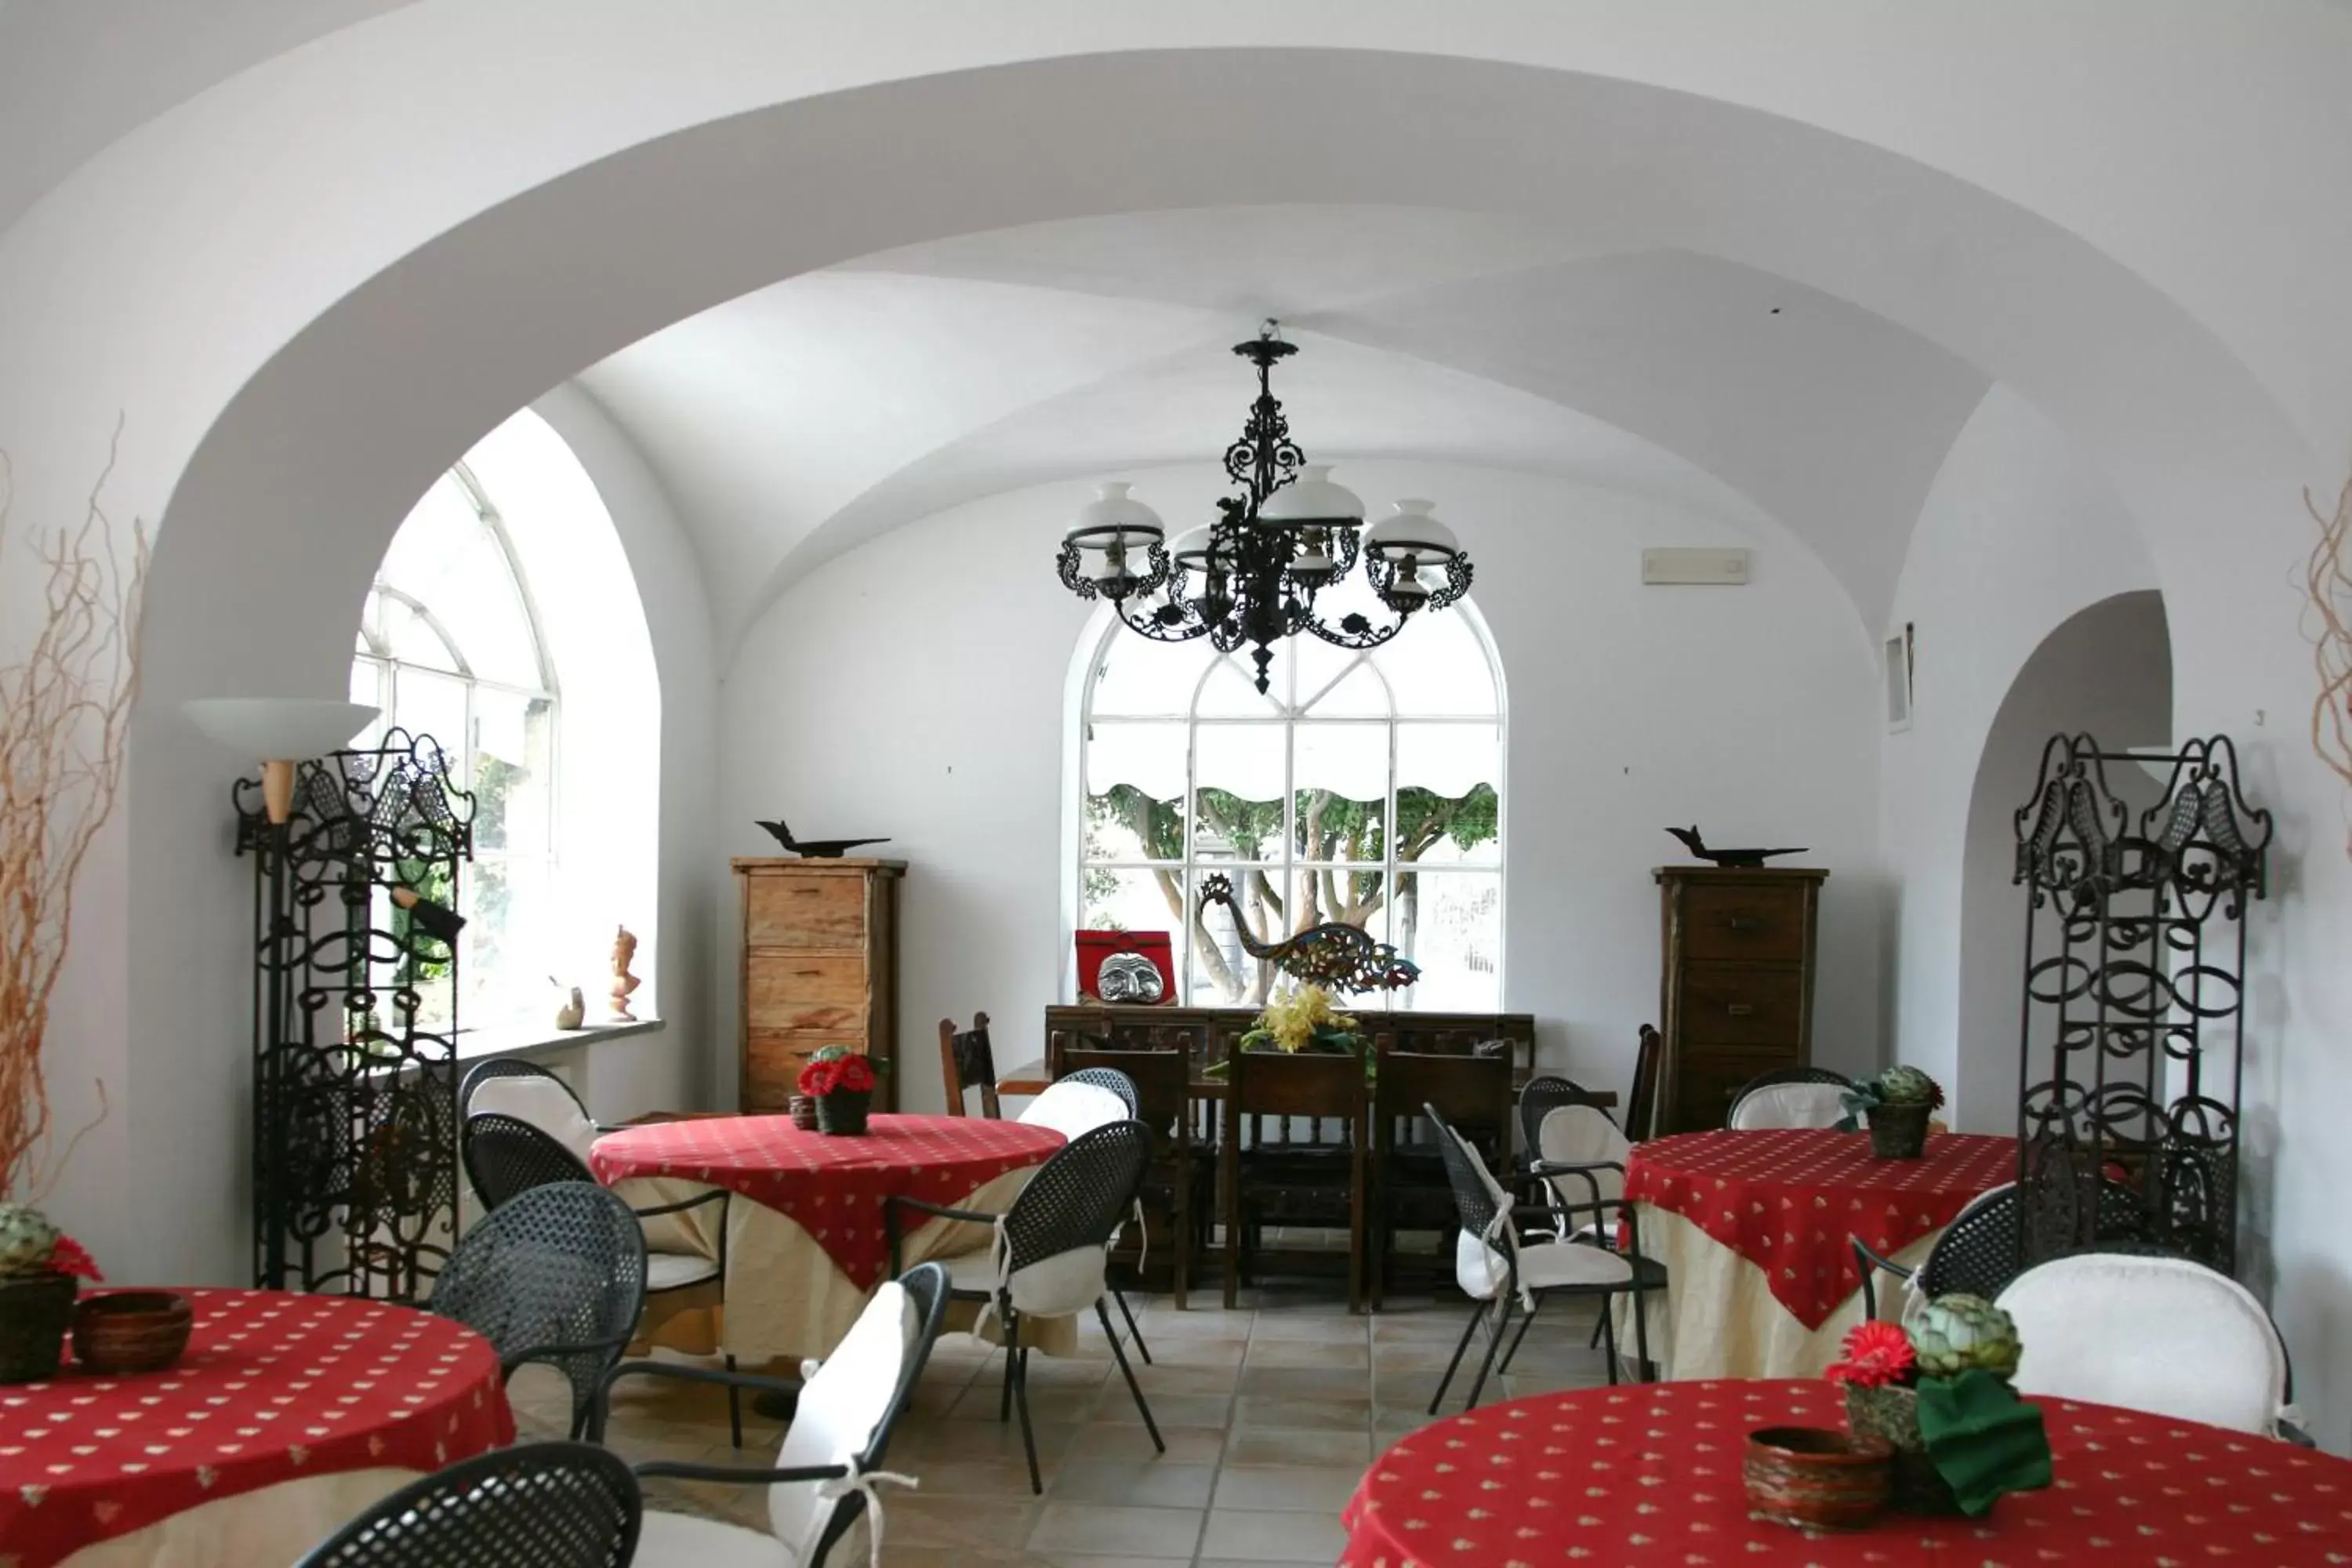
(1740, 922)
(1739, 1009)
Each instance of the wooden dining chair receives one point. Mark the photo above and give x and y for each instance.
(1641, 1100)
(1411, 1189)
(1162, 1081)
(968, 1061)
(1276, 1181)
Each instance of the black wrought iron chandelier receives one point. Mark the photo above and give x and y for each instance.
(1252, 577)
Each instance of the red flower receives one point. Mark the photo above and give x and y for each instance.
(69, 1257)
(817, 1079)
(1935, 1095)
(1876, 1354)
(855, 1077)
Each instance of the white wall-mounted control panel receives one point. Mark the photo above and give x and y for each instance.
(1711, 568)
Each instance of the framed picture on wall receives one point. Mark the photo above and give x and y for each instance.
(1899, 667)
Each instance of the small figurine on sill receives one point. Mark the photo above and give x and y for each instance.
(571, 1009)
(625, 948)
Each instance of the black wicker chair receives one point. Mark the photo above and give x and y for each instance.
(551, 1505)
(1074, 1203)
(1569, 1268)
(505, 1157)
(1780, 1076)
(1540, 1098)
(558, 1276)
(1111, 1078)
(838, 1425)
(497, 1067)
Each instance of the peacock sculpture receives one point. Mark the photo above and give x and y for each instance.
(1332, 954)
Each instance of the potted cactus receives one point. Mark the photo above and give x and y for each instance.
(1938, 1391)
(40, 1270)
(1897, 1104)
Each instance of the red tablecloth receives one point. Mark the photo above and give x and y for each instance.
(1650, 1474)
(833, 1188)
(274, 1386)
(1787, 1199)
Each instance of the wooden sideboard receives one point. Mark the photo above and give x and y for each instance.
(1214, 1029)
(1737, 994)
(818, 966)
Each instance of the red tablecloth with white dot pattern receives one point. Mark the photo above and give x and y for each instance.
(274, 1386)
(1787, 1199)
(1622, 1478)
(833, 1188)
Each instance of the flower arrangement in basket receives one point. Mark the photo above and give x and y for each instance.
(841, 1081)
(1938, 1391)
(41, 1273)
(1301, 1018)
(1898, 1103)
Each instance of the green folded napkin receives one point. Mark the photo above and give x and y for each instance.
(1983, 1439)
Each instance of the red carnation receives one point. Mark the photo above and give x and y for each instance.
(856, 1075)
(69, 1257)
(1876, 1354)
(818, 1079)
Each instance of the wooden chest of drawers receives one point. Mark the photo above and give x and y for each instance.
(1737, 994)
(819, 967)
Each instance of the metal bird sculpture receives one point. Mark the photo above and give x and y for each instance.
(816, 848)
(1697, 845)
(1334, 954)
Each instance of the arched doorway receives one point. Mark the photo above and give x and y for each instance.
(2106, 670)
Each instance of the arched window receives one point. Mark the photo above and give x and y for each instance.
(1362, 787)
(504, 623)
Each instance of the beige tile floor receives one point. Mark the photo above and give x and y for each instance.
(1271, 1412)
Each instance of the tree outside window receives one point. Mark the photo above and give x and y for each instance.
(1364, 788)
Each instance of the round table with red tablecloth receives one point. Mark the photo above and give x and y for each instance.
(808, 1247)
(288, 1415)
(1753, 1229)
(1650, 1473)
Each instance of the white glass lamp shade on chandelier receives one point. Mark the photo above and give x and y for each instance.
(278, 732)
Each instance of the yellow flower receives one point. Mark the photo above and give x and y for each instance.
(1294, 1017)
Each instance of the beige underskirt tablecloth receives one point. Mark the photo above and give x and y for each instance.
(1718, 1317)
(786, 1300)
(261, 1529)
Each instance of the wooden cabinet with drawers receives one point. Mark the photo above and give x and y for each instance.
(1737, 994)
(819, 967)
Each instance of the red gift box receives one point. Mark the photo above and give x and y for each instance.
(1094, 946)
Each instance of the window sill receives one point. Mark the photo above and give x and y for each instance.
(530, 1040)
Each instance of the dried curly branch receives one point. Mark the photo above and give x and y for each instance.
(65, 709)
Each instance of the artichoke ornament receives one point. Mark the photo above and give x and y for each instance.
(27, 1240)
(1907, 1086)
(1961, 1332)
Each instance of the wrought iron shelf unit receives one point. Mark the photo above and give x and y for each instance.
(2132, 1040)
(354, 1020)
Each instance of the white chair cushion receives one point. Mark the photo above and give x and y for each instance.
(1481, 1270)
(1580, 1134)
(2159, 1334)
(676, 1271)
(683, 1541)
(1074, 1110)
(1789, 1105)
(840, 1405)
(1052, 1286)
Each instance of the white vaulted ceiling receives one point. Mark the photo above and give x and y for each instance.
(795, 421)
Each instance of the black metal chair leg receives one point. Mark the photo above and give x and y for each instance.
(1641, 1300)
(1129, 1372)
(1524, 1324)
(1608, 1335)
(1132, 1332)
(1595, 1343)
(1016, 1377)
(1477, 1311)
(1502, 1327)
(1005, 1394)
(734, 1409)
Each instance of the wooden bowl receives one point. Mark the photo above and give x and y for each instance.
(1817, 1477)
(126, 1332)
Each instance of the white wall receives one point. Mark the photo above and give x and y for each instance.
(916, 687)
(2107, 671)
(2017, 534)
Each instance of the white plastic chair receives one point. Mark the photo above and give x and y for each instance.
(2166, 1335)
(825, 1472)
(1787, 1105)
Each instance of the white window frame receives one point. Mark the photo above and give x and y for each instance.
(1295, 714)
